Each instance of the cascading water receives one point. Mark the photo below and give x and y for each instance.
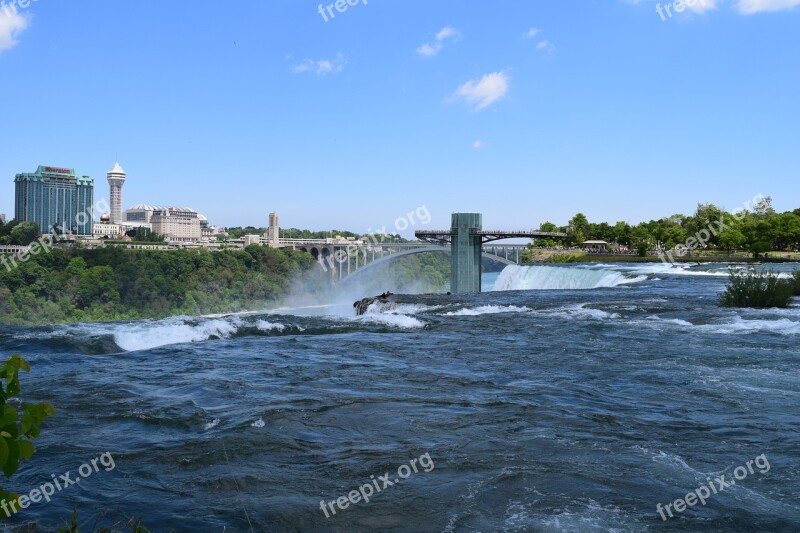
(517, 278)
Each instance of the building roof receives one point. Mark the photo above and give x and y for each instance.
(117, 169)
(148, 207)
(156, 208)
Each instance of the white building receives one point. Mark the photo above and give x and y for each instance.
(116, 179)
(105, 229)
(177, 224)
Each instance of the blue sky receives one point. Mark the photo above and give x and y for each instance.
(523, 110)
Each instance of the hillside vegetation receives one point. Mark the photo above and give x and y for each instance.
(116, 284)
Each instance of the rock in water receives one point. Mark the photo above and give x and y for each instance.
(362, 305)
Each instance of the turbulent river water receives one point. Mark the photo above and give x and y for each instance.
(574, 398)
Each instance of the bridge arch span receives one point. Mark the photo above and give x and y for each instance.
(427, 249)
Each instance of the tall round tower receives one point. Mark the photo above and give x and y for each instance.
(116, 179)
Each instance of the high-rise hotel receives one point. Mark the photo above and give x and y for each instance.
(57, 199)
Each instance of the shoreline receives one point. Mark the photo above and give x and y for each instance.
(566, 257)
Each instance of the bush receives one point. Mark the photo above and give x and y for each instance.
(757, 289)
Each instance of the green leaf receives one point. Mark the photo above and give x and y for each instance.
(13, 385)
(27, 420)
(10, 416)
(49, 410)
(3, 452)
(26, 449)
(12, 462)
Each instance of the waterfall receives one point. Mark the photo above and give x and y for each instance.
(516, 278)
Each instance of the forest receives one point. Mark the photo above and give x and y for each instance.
(113, 283)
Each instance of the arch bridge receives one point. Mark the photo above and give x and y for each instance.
(467, 240)
(345, 260)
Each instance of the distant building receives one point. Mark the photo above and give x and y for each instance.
(251, 239)
(274, 230)
(140, 214)
(116, 179)
(177, 224)
(3, 218)
(105, 229)
(56, 199)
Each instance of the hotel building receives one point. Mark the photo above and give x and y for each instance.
(57, 199)
(177, 224)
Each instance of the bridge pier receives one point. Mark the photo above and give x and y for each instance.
(466, 238)
(467, 252)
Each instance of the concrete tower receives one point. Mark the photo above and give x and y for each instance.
(274, 230)
(467, 253)
(116, 179)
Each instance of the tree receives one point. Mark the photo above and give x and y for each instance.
(763, 209)
(760, 248)
(622, 233)
(706, 218)
(786, 227)
(578, 229)
(548, 227)
(731, 239)
(673, 236)
(25, 233)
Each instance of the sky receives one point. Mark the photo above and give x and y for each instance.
(522, 110)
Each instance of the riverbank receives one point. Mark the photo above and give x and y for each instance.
(571, 256)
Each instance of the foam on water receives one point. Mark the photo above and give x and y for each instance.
(211, 425)
(580, 311)
(489, 310)
(390, 319)
(264, 325)
(736, 325)
(784, 326)
(149, 335)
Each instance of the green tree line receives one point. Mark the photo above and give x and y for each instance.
(117, 284)
(18, 233)
(759, 230)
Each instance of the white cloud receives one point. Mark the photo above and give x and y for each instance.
(431, 49)
(321, 66)
(484, 92)
(748, 7)
(479, 144)
(701, 6)
(446, 33)
(533, 32)
(745, 7)
(546, 46)
(11, 25)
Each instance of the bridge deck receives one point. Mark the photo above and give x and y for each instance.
(488, 235)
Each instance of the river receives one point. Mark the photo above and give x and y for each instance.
(572, 398)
